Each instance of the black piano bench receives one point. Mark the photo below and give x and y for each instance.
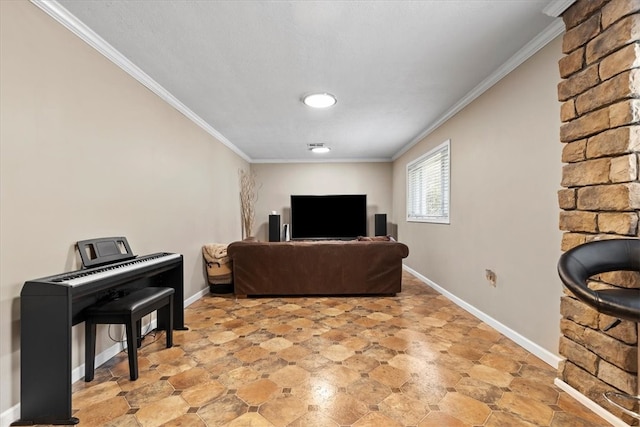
(129, 311)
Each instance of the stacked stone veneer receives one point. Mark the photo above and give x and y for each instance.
(600, 198)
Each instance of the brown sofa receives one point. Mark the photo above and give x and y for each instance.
(317, 267)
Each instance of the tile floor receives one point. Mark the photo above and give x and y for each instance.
(415, 359)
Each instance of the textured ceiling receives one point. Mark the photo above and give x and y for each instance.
(396, 67)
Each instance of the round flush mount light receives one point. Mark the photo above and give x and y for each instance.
(319, 148)
(319, 100)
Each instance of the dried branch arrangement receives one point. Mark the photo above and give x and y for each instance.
(248, 198)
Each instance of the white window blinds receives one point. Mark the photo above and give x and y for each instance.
(428, 186)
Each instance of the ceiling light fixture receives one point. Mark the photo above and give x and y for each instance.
(319, 148)
(319, 100)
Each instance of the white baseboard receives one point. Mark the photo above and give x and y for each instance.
(10, 415)
(542, 353)
(597, 409)
(13, 414)
(196, 297)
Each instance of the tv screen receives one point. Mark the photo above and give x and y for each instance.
(341, 216)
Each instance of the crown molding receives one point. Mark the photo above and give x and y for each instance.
(555, 8)
(73, 24)
(527, 51)
(355, 160)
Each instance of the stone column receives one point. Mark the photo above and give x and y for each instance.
(600, 198)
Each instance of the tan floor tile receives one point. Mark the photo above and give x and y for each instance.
(162, 411)
(317, 391)
(454, 362)
(208, 354)
(394, 343)
(289, 376)
(189, 378)
(314, 419)
(150, 393)
(408, 363)
(127, 420)
(222, 410)
(366, 322)
(221, 365)
(186, 420)
(280, 328)
(339, 375)
(337, 352)
(466, 351)
(238, 376)
(403, 409)
(490, 375)
(485, 332)
(97, 393)
(369, 391)
(376, 419)
(440, 419)
(301, 322)
(465, 408)
(103, 411)
(145, 378)
(250, 419)
(335, 335)
(393, 377)
(361, 363)
(505, 419)
(258, 392)
(526, 408)
(276, 344)
(166, 355)
(500, 362)
(201, 394)
(245, 330)
(251, 354)
(380, 353)
(283, 410)
(176, 366)
(479, 390)
(535, 390)
(268, 365)
(294, 353)
(222, 337)
(428, 393)
(345, 410)
(355, 343)
(289, 307)
(332, 311)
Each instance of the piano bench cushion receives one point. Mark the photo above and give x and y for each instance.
(139, 302)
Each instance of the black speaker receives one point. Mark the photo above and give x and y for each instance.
(274, 228)
(381, 224)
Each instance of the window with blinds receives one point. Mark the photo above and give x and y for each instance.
(428, 186)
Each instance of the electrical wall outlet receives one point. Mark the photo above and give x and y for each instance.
(490, 275)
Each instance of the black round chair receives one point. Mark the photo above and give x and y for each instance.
(577, 265)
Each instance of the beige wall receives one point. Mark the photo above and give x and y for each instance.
(87, 151)
(280, 181)
(505, 172)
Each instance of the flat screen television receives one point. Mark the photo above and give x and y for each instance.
(341, 216)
